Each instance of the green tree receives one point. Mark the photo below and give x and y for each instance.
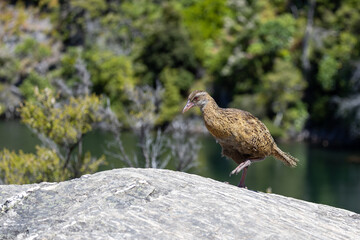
(204, 20)
(167, 46)
(30, 82)
(282, 91)
(111, 75)
(332, 54)
(30, 48)
(62, 126)
(25, 168)
(171, 98)
(239, 49)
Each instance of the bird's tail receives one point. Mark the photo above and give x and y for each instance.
(285, 157)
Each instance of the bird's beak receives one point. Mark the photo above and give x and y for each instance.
(188, 106)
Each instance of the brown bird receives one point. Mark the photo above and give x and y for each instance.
(243, 137)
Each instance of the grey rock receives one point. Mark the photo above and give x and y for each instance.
(161, 204)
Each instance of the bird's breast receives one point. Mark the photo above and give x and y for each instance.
(218, 128)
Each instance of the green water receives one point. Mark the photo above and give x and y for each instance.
(326, 176)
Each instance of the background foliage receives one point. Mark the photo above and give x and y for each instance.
(293, 64)
(248, 54)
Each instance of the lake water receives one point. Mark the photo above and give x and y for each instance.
(327, 176)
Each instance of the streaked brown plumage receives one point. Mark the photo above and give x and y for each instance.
(243, 137)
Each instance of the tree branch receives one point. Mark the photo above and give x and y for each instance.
(309, 27)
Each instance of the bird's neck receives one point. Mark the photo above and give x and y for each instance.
(211, 115)
(210, 108)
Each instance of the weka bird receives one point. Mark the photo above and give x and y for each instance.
(243, 137)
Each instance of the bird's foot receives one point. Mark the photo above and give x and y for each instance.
(241, 167)
(242, 184)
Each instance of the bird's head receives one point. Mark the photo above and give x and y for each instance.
(197, 98)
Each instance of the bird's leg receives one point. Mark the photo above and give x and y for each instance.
(244, 167)
(241, 167)
(243, 176)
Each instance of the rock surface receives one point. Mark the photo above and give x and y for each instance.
(162, 204)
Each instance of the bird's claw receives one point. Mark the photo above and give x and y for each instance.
(235, 171)
(240, 167)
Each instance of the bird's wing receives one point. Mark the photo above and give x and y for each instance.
(248, 130)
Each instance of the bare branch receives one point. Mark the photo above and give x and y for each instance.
(184, 146)
(157, 148)
(308, 32)
(83, 87)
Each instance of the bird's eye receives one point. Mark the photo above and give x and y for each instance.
(196, 98)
